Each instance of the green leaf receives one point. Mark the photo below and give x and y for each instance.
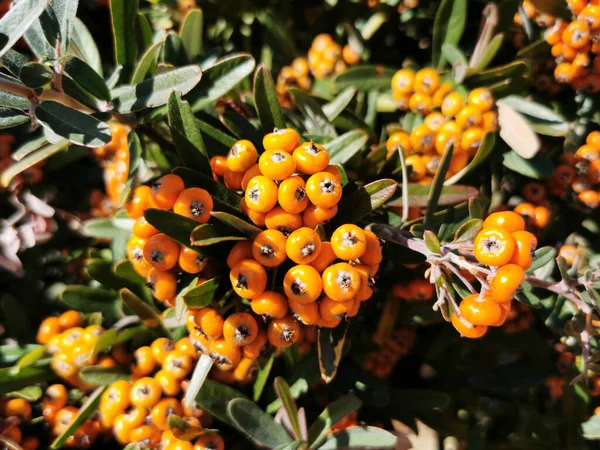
(261, 378)
(344, 147)
(31, 160)
(10, 382)
(220, 139)
(103, 376)
(64, 11)
(186, 135)
(214, 397)
(10, 117)
(490, 51)
(514, 69)
(9, 353)
(220, 78)
(281, 36)
(13, 61)
(448, 28)
(86, 410)
(86, 46)
(516, 131)
(283, 392)
(450, 195)
(205, 235)
(241, 127)
(223, 197)
(177, 227)
(256, 424)
(242, 226)
(113, 337)
(332, 414)
(10, 100)
(335, 107)
(144, 35)
(17, 21)
(315, 119)
(203, 294)
(453, 54)
(437, 185)
(267, 101)
(591, 428)
(191, 34)
(432, 242)
(539, 167)
(485, 149)
(29, 359)
(330, 345)
(364, 200)
(148, 62)
(155, 91)
(543, 256)
(123, 15)
(365, 78)
(360, 437)
(541, 119)
(468, 230)
(86, 77)
(107, 228)
(144, 311)
(89, 300)
(30, 393)
(173, 53)
(77, 127)
(35, 75)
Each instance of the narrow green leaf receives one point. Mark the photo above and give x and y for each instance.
(107, 228)
(35, 75)
(10, 117)
(539, 167)
(281, 36)
(103, 376)
(438, 184)
(514, 69)
(543, 256)
(17, 21)
(450, 195)
(335, 107)
(77, 127)
(468, 230)
(242, 226)
(316, 120)
(214, 397)
(330, 345)
(86, 77)
(360, 437)
(86, 410)
(144, 311)
(241, 127)
(262, 377)
(155, 91)
(10, 100)
(144, 35)
(365, 200)
(177, 227)
(220, 139)
(29, 359)
(490, 51)
(186, 135)
(86, 46)
(453, 54)
(191, 34)
(173, 53)
(89, 300)
(64, 11)
(30, 393)
(365, 78)
(123, 15)
(148, 62)
(31, 159)
(485, 149)
(13, 61)
(267, 101)
(283, 392)
(10, 382)
(332, 414)
(343, 148)
(203, 294)
(205, 235)
(113, 337)
(432, 242)
(256, 424)
(448, 28)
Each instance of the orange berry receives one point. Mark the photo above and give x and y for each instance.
(277, 165)
(402, 81)
(286, 139)
(494, 246)
(311, 158)
(241, 250)
(161, 252)
(324, 190)
(302, 284)
(240, 329)
(303, 246)
(316, 215)
(248, 278)
(268, 248)
(467, 329)
(525, 249)
(191, 261)
(481, 310)
(510, 221)
(194, 203)
(280, 220)
(139, 202)
(225, 353)
(506, 281)
(165, 191)
(261, 194)
(241, 156)
(325, 257)
(349, 242)
(209, 321)
(270, 304)
(292, 195)
(341, 282)
(283, 332)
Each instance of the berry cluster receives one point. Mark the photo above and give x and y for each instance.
(417, 289)
(138, 410)
(234, 343)
(70, 345)
(114, 158)
(505, 246)
(575, 46)
(325, 57)
(13, 413)
(155, 255)
(449, 119)
(578, 175)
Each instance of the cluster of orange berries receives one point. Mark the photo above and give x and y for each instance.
(449, 120)
(417, 289)
(325, 57)
(114, 158)
(154, 255)
(575, 46)
(138, 410)
(578, 174)
(13, 413)
(382, 362)
(70, 345)
(505, 246)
